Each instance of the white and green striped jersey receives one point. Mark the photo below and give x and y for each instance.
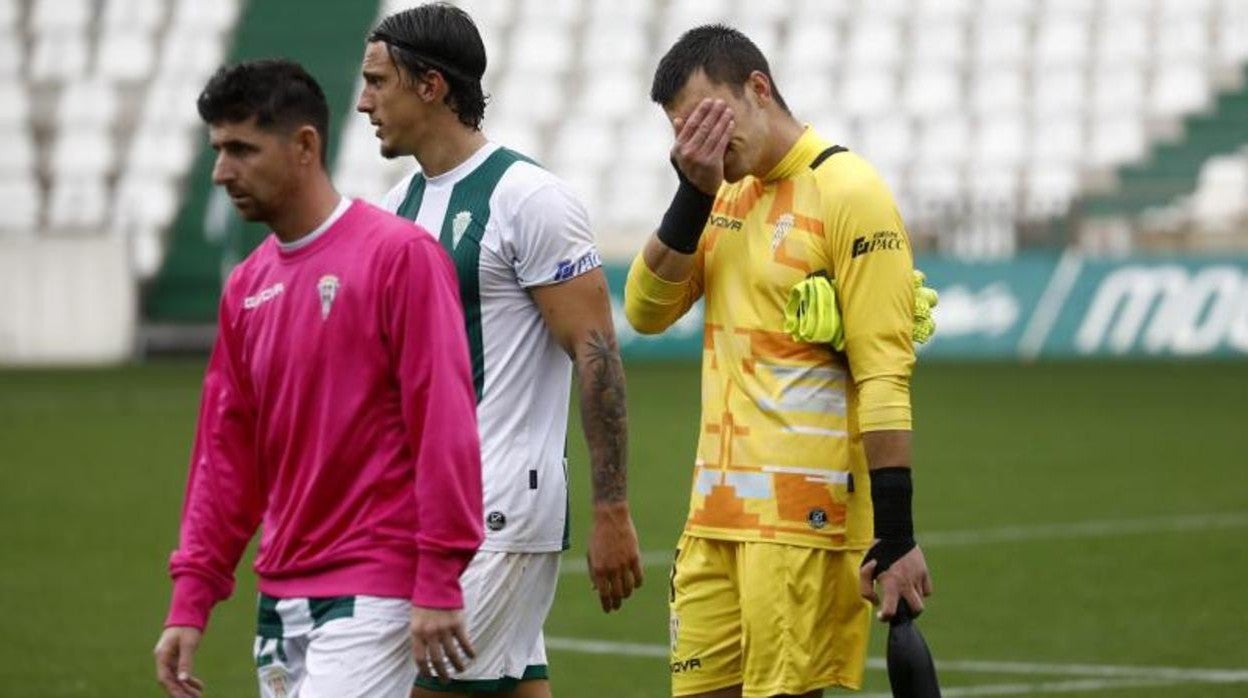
(510, 225)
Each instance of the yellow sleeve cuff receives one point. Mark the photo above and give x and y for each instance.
(652, 303)
(884, 404)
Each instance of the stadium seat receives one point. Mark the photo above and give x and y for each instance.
(214, 17)
(938, 42)
(144, 202)
(683, 15)
(586, 183)
(621, 13)
(764, 34)
(888, 142)
(57, 16)
(82, 152)
(1008, 9)
(21, 202)
(834, 128)
(994, 188)
(125, 56)
(1169, 11)
(942, 10)
(561, 13)
(814, 46)
(1061, 42)
(1000, 42)
(1128, 43)
(88, 103)
(59, 57)
(1232, 40)
(9, 13)
(529, 99)
(1221, 194)
(823, 9)
(606, 46)
(637, 197)
(932, 90)
(1058, 91)
(540, 48)
(1183, 40)
(751, 11)
(808, 93)
(142, 16)
(1116, 90)
(647, 139)
(945, 141)
(1116, 140)
(17, 157)
(11, 55)
(585, 142)
(936, 189)
(1075, 9)
(190, 54)
(166, 152)
(866, 93)
(14, 104)
(1179, 89)
(78, 201)
(518, 137)
(171, 102)
(999, 143)
(873, 44)
(998, 90)
(1048, 190)
(1058, 139)
(610, 94)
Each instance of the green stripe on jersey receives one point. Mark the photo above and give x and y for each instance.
(463, 226)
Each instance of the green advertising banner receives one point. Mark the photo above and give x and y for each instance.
(1043, 305)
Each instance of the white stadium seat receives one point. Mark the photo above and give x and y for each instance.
(56, 16)
(1058, 91)
(17, 157)
(868, 93)
(606, 46)
(133, 15)
(1179, 89)
(1116, 141)
(583, 142)
(610, 94)
(166, 152)
(518, 137)
(1232, 40)
(190, 55)
(59, 57)
(21, 202)
(1176, 10)
(1118, 90)
(631, 13)
(932, 91)
(945, 141)
(170, 102)
(14, 104)
(527, 99)
(874, 44)
(813, 46)
(560, 13)
(540, 48)
(82, 152)
(145, 202)
(808, 93)
(998, 90)
(12, 55)
(1062, 42)
(1000, 42)
(125, 56)
(9, 12)
(938, 42)
(939, 10)
(888, 142)
(1048, 190)
(90, 103)
(636, 196)
(1129, 43)
(1001, 142)
(215, 16)
(1058, 139)
(78, 201)
(1222, 192)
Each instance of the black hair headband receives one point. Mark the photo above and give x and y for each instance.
(424, 57)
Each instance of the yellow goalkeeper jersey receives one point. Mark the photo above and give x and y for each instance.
(780, 454)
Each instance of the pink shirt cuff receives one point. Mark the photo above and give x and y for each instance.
(437, 579)
(193, 599)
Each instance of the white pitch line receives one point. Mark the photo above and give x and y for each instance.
(1104, 673)
(1108, 528)
(1034, 689)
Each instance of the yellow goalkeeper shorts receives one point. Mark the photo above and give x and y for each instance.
(776, 619)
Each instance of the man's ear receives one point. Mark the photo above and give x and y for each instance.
(308, 142)
(760, 86)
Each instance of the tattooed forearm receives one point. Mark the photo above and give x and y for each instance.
(604, 415)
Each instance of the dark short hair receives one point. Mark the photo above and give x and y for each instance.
(726, 56)
(279, 93)
(440, 37)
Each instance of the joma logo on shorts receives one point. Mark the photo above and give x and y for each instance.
(686, 666)
(726, 222)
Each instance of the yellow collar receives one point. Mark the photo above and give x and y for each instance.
(799, 157)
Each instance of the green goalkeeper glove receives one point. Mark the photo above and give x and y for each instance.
(811, 314)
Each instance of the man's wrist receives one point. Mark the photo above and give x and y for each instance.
(610, 511)
(891, 494)
(682, 224)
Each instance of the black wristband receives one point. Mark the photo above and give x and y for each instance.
(891, 494)
(686, 217)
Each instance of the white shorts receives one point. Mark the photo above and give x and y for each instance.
(506, 599)
(337, 647)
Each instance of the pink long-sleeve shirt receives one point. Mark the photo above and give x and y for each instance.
(338, 415)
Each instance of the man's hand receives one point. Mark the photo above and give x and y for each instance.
(614, 558)
(701, 140)
(439, 640)
(175, 653)
(906, 578)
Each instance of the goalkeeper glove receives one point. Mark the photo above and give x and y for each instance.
(812, 315)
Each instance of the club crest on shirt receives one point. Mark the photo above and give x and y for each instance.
(459, 226)
(327, 288)
(783, 225)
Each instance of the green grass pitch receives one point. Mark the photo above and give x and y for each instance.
(1086, 527)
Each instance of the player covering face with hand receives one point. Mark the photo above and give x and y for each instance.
(801, 485)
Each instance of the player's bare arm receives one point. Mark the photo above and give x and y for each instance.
(702, 137)
(578, 313)
(904, 573)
